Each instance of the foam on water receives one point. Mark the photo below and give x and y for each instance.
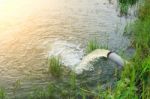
(85, 63)
(70, 54)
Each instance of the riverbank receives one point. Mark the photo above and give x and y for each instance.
(135, 78)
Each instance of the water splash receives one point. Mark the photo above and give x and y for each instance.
(85, 63)
(70, 54)
(73, 56)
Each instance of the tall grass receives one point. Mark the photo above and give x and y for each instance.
(44, 93)
(135, 79)
(93, 45)
(73, 81)
(55, 66)
(124, 5)
(131, 2)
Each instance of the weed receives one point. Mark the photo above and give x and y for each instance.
(93, 45)
(2, 94)
(16, 86)
(55, 66)
(73, 81)
(124, 5)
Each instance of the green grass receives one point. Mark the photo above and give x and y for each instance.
(55, 66)
(44, 93)
(124, 8)
(134, 82)
(57, 90)
(73, 81)
(131, 2)
(2, 94)
(93, 45)
(125, 5)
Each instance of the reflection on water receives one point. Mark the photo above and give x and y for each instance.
(28, 28)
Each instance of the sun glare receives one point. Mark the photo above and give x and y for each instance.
(2, 2)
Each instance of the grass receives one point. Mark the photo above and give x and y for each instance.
(124, 8)
(73, 81)
(57, 90)
(131, 2)
(93, 45)
(125, 4)
(2, 94)
(55, 66)
(134, 82)
(44, 93)
(16, 86)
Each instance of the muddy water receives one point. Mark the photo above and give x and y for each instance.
(31, 30)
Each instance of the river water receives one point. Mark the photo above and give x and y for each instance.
(31, 30)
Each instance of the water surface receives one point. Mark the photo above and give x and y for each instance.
(31, 30)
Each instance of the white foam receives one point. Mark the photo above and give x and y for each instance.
(70, 54)
(85, 63)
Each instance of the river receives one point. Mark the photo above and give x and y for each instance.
(31, 30)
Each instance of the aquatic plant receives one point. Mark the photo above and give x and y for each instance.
(124, 5)
(134, 82)
(55, 66)
(131, 2)
(2, 93)
(43, 93)
(16, 86)
(73, 81)
(93, 45)
(124, 8)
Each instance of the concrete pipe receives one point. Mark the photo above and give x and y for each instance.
(116, 58)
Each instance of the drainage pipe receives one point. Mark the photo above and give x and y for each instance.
(116, 58)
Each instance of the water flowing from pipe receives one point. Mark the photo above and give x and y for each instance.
(85, 63)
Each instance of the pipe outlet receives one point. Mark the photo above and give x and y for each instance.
(116, 58)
